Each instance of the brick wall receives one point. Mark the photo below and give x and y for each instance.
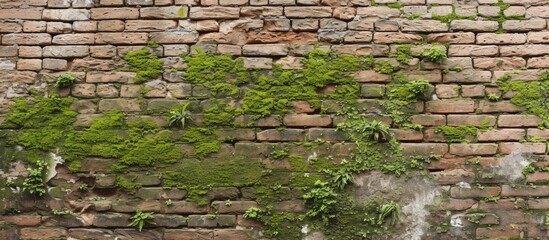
(40, 39)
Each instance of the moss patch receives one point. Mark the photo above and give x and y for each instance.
(146, 65)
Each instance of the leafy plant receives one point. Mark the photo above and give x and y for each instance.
(83, 187)
(436, 55)
(179, 116)
(140, 218)
(153, 44)
(34, 183)
(62, 213)
(321, 199)
(528, 170)
(390, 209)
(384, 67)
(168, 202)
(228, 203)
(493, 97)
(65, 80)
(253, 213)
(376, 131)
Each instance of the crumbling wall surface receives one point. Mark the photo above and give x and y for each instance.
(274, 119)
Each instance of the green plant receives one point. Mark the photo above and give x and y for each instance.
(391, 209)
(228, 203)
(376, 131)
(491, 199)
(342, 177)
(493, 97)
(321, 199)
(404, 53)
(253, 213)
(34, 183)
(65, 80)
(384, 67)
(434, 54)
(146, 65)
(83, 187)
(62, 213)
(140, 218)
(179, 116)
(153, 44)
(528, 170)
(168, 202)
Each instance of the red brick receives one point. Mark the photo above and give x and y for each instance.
(495, 135)
(449, 106)
(518, 121)
(497, 107)
(453, 176)
(426, 149)
(230, 234)
(326, 134)
(114, 13)
(428, 120)
(538, 177)
(503, 204)
(508, 148)
(281, 135)
(22, 220)
(407, 135)
(474, 149)
(459, 192)
(543, 133)
(177, 234)
(303, 120)
(524, 191)
(538, 204)
(457, 204)
(498, 232)
(472, 120)
(43, 233)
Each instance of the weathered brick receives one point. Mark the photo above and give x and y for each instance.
(265, 50)
(307, 12)
(474, 26)
(472, 120)
(326, 134)
(174, 12)
(281, 135)
(496, 135)
(450, 106)
(423, 26)
(211, 221)
(390, 37)
(499, 63)
(508, 148)
(21, 13)
(214, 12)
(453, 176)
(114, 13)
(121, 38)
(459, 38)
(524, 50)
(70, 39)
(524, 191)
(80, 233)
(543, 133)
(472, 50)
(10, 27)
(26, 39)
(518, 121)
(524, 25)
(459, 192)
(66, 51)
(187, 234)
(42, 233)
(498, 232)
(474, 149)
(111, 220)
(457, 204)
(23, 220)
(66, 14)
(425, 149)
(494, 107)
(304, 120)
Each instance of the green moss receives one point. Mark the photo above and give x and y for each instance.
(215, 172)
(533, 96)
(458, 134)
(220, 114)
(218, 73)
(41, 123)
(204, 140)
(404, 53)
(146, 65)
(385, 67)
(128, 184)
(402, 94)
(182, 12)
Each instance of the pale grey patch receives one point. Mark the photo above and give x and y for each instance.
(414, 194)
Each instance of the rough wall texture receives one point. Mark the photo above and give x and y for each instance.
(481, 193)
